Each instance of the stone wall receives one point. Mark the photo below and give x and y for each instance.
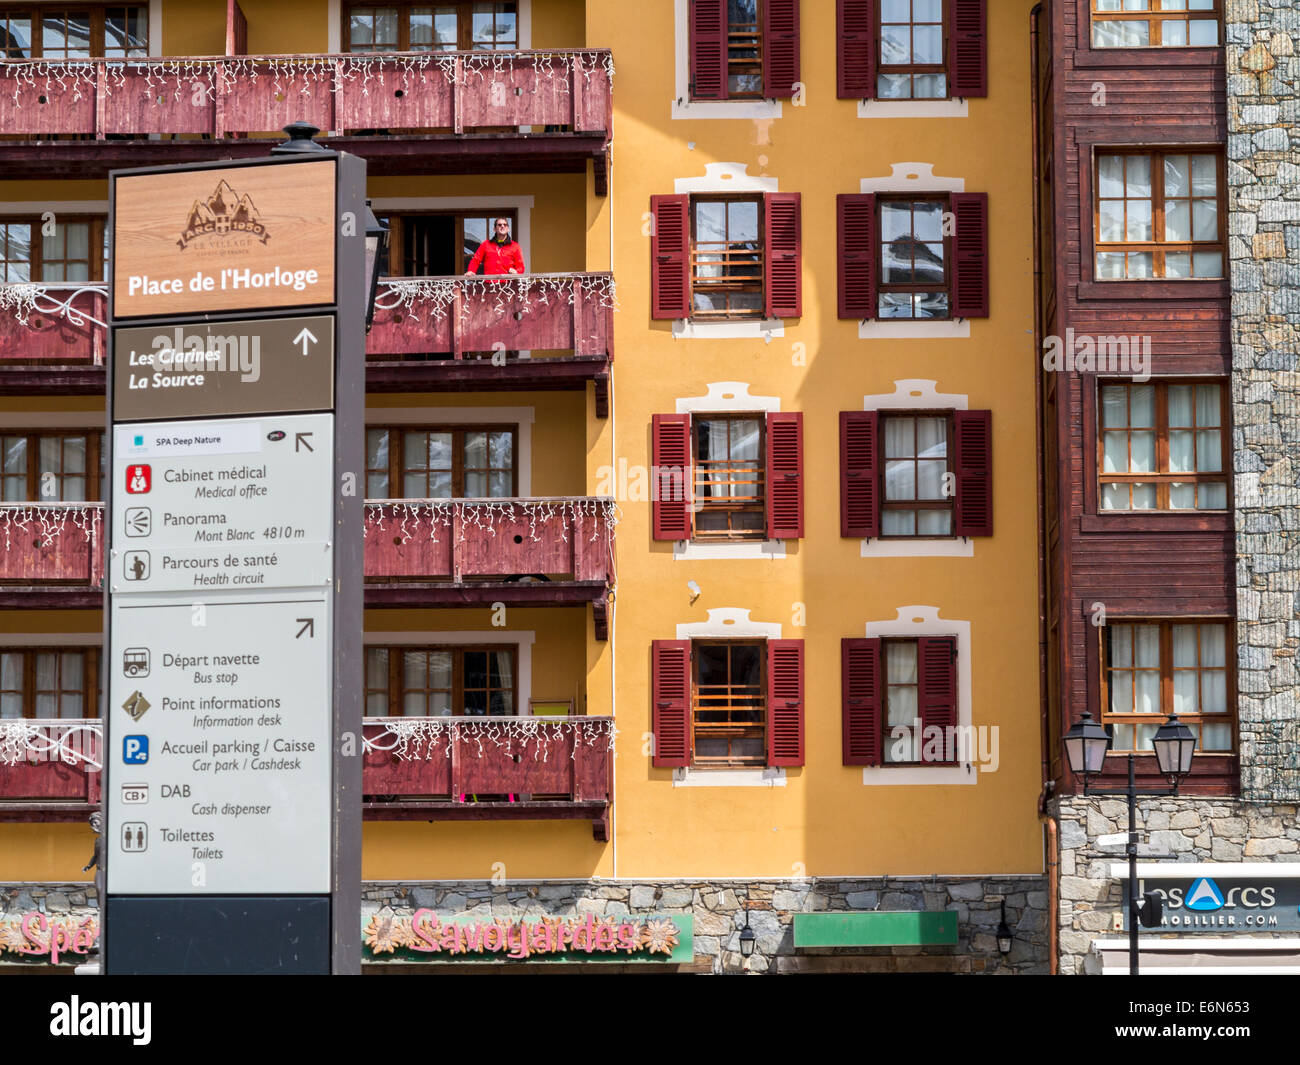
(1264, 248)
(1194, 830)
(718, 908)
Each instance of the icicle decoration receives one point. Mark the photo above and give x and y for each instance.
(405, 518)
(422, 739)
(436, 295)
(45, 521)
(26, 298)
(70, 742)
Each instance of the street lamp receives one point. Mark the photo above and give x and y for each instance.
(747, 938)
(376, 243)
(1174, 743)
(1003, 934)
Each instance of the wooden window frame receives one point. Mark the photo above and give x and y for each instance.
(1159, 248)
(98, 19)
(397, 238)
(949, 502)
(1166, 710)
(1162, 478)
(464, 26)
(728, 730)
(1156, 18)
(93, 475)
(395, 691)
(397, 459)
(36, 260)
(757, 505)
(911, 69)
(91, 669)
(727, 285)
(882, 286)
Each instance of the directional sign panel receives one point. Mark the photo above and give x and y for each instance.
(205, 369)
(223, 504)
(220, 717)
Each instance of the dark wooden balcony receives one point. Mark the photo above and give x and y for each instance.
(489, 769)
(405, 113)
(547, 331)
(49, 770)
(546, 551)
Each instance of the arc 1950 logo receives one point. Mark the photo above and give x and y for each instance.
(224, 213)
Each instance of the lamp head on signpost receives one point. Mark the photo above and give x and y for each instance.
(300, 140)
(376, 243)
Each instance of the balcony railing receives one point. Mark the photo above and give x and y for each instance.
(551, 550)
(49, 769)
(445, 768)
(545, 330)
(448, 92)
(501, 768)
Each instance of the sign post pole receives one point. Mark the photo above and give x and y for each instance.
(233, 584)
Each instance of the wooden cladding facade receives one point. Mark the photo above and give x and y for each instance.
(1109, 566)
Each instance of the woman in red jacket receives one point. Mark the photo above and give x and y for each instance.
(499, 255)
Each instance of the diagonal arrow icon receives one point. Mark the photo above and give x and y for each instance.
(300, 441)
(308, 626)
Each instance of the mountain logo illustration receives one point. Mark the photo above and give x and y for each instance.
(1204, 894)
(221, 214)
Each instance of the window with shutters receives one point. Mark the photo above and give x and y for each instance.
(1162, 445)
(465, 26)
(62, 31)
(49, 682)
(442, 462)
(1156, 23)
(51, 467)
(441, 681)
(1152, 669)
(726, 257)
(743, 49)
(900, 701)
(728, 703)
(1159, 215)
(729, 477)
(917, 482)
(73, 250)
(914, 256)
(911, 49)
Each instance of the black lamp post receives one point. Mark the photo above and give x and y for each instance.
(1003, 934)
(1085, 746)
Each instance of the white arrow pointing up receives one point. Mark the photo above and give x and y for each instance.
(304, 338)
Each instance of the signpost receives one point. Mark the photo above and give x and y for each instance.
(233, 593)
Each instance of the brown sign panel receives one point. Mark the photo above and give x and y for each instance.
(223, 239)
(220, 369)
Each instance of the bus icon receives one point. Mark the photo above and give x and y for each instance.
(135, 661)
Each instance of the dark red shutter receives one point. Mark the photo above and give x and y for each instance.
(973, 463)
(784, 702)
(859, 491)
(936, 659)
(780, 48)
(859, 247)
(785, 476)
(863, 709)
(782, 263)
(968, 66)
(855, 48)
(670, 477)
(970, 255)
(708, 49)
(671, 690)
(670, 257)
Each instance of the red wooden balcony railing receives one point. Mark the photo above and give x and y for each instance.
(49, 770)
(428, 332)
(500, 768)
(449, 92)
(544, 551)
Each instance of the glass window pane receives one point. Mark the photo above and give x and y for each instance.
(900, 480)
(1205, 175)
(1205, 220)
(895, 45)
(1138, 225)
(898, 523)
(1111, 221)
(1173, 34)
(934, 522)
(1110, 265)
(1121, 693)
(927, 44)
(900, 436)
(1212, 497)
(1110, 176)
(1182, 496)
(1178, 264)
(1178, 225)
(1185, 643)
(1180, 405)
(1186, 693)
(1144, 497)
(1207, 405)
(1204, 33)
(1141, 264)
(1146, 696)
(900, 663)
(1147, 644)
(1177, 176)
(1181, 459)
(1120, 643)
(929, 479)
(1114, 405)
(1114, 497)
(1213, 643)
(1209, 451)
(376, 667)
(1214, 692)
(1215, 737)
(1207, 264)
(1142, 452)
(929, 86)
(894, 86)
(1137, 176)
(742, 220)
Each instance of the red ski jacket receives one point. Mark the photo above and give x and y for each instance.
(499, 258)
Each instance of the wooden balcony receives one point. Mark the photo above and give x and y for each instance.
(49, 770)
(548, 331)
(405, 113)
(546, 551)
(480, 769)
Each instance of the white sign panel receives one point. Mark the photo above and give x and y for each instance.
(219, 714)
(233, 503)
